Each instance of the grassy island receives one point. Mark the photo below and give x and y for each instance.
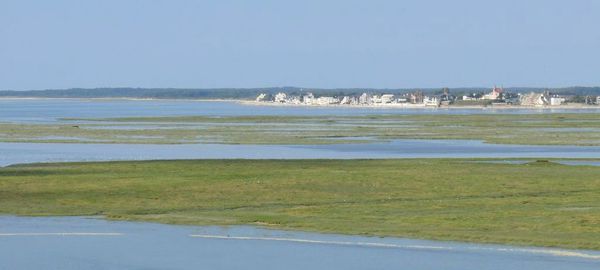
(537, 129)
(538, 203)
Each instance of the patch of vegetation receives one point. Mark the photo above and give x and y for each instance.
(538, 203)
(531, 129)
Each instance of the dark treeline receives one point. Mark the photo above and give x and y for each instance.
(250, 93)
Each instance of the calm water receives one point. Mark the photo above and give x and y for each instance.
(45, 110)
(87, 243)
(49, 110)
(13, 153)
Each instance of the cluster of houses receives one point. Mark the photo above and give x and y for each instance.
(497, 96)
(363, 99)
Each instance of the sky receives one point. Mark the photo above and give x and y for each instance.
(306, 43)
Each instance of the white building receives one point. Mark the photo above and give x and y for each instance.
(387, 98)
(533, 99)
(364, 99)
(327, 100)
(598, 100)
(346, 100)
(470, 98)
(495, 94)
(293, 100)
(557, 101)
(431, 101)
(262, 97)
(280, 97)
(376, 99)
(308, 99)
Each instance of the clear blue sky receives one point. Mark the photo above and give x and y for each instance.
(336, 43)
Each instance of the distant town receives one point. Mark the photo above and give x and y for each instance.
(495, 97)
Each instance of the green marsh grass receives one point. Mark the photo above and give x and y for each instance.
(540, 203)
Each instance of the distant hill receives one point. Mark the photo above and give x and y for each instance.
(250, 93)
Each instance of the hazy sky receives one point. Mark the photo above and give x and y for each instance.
(336, 43)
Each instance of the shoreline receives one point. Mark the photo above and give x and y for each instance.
(372, 106)
(308, 236)
(422, 106)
